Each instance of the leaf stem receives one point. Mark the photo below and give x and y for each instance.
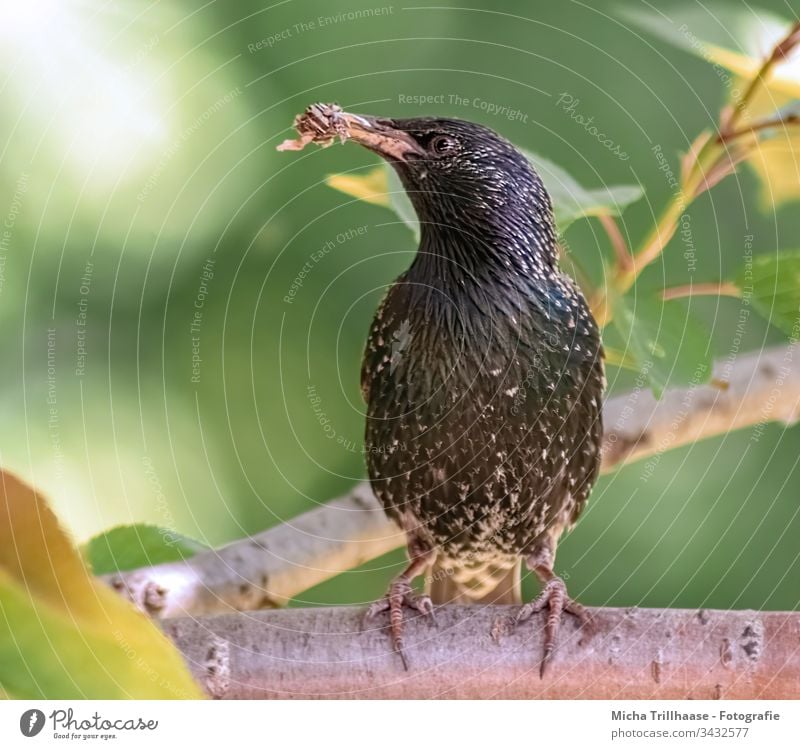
(721, 288)
(623, 255)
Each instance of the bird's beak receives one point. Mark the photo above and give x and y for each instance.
(381, 136)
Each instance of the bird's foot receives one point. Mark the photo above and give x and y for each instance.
(554, 598)
(400, 596)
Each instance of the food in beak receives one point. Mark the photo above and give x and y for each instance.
(320, 124)
(324, 123)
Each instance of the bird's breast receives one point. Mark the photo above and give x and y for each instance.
(477, 417)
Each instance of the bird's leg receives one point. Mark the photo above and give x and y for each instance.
(554, 598)
(401, 594)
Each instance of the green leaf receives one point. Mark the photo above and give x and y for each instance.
(63, 634)
(670, 348)
(772, 284)
(572, 201)
(127, 547)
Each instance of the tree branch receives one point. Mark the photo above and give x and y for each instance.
(631, 654)
(271, 567)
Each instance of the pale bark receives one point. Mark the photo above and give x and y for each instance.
(631, 654)
(271, 567)
(267, 569)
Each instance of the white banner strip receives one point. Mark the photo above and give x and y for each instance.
(392, 725)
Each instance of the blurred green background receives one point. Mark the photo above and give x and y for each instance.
(152, 367)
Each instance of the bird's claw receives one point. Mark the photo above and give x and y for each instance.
(399, 596)
(554, 598)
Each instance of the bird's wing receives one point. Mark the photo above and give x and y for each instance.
(380, 338)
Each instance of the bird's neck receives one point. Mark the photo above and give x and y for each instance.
(480, 256)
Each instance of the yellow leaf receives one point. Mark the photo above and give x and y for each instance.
(776, 161)
(737, 39)
(371, 187)
(774, 155)
(64, 634)
(36, 552)
(783, 83)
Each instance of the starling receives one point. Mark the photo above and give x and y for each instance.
(483, 373)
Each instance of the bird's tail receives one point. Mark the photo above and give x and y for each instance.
(482, 582)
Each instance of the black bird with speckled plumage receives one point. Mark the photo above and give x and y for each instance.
(483, 377)
(483, 372)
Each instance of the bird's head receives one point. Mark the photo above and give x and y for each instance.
(465, 179)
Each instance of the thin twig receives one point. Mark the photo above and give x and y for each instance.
(618, 242)
(778, 54)
(730, 135)
(722, 288)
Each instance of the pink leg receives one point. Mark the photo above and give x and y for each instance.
(554, 598)
(401, 595)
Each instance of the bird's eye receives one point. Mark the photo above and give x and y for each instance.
(442, 145)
